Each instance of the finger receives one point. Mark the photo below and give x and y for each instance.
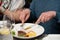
(48, 18)
(38, 21)
(27, 16)
(16, 16)
(22, 21)
(45, 19)
(42, 18)
(13, 16)
(22, 16)
(10, 16)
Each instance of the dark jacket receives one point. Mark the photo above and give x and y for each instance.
(39, 6)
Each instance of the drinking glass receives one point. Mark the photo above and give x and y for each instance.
(5, 28)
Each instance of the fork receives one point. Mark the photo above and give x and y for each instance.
(22, 25)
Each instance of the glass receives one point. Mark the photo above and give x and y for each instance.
(5, 28)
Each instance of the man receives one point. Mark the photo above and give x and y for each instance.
(12, 8)
(47, 14)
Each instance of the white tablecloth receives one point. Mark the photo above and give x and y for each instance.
(7, 37)
(52, 37)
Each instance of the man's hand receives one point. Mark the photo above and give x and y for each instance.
(46, 16)
(24, 15)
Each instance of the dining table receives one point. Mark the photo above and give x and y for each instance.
(44, 37)
(40, 37)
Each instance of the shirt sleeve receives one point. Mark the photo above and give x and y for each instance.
(55, 6)
(5, 3)
(58, 16)
(16, 4)
(58, 12)
(32, 6)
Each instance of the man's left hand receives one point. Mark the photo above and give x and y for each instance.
(46, 16)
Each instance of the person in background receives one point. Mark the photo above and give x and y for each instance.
(12, 8)
(47, 13)
(0, 2)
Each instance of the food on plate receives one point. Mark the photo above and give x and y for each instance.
(13, 32)
(24, 34)
(31, 34)
(4, 31)
(27, 28)
(21, 33)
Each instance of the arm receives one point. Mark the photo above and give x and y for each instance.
(12, 15)
(32, 8)
(33, 14)
(51, 10)
(5, 11)
(16, 5)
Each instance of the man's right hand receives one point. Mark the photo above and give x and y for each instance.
(25, 14)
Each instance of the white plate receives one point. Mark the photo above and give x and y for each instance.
(34, 27)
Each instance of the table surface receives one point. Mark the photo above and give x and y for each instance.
(46, 37)
(43, 37)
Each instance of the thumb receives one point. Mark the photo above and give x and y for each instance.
(22, 18)
(38, 21)
(27, 17)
